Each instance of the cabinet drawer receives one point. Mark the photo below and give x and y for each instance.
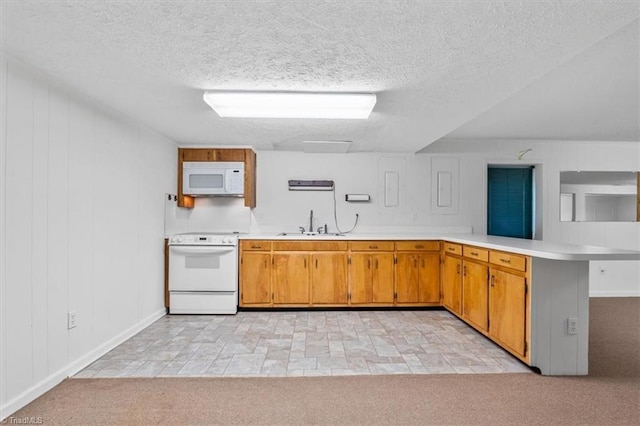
(476, 253)
(418, 245)
(371, 245)
(508, 260)
(453, 248)
(309, 245)
(255, 245)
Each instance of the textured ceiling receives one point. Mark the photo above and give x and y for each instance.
(434, 65)
(594, 96)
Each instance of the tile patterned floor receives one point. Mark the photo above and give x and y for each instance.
(306, 343)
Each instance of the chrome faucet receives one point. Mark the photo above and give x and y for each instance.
(311, 221)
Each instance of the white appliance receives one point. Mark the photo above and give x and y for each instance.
(203, 274)
(207, 178)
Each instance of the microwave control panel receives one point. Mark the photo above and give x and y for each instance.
(235, 181)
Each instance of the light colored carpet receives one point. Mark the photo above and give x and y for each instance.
(610, 395)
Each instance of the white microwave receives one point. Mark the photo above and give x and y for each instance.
(206, 178)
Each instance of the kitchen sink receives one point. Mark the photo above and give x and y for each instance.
(309, 234)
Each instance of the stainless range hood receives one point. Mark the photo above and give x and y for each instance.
(310, 185)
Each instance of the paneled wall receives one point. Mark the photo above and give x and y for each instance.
(82, 221)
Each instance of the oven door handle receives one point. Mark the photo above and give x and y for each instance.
(202, 250)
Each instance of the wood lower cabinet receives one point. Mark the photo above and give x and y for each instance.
(418, 278)
(305, 278)
(291, 279)
(486, 288)
(329, 279)
(475, 294)
(371, 278)
(508, 310)
(255, 278)
(452, 283)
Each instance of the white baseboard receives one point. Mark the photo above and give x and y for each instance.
(74, 366)
(613, 294)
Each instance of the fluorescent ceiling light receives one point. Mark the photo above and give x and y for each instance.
(291, 104)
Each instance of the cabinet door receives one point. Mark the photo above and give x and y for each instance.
(382, 278)
(429, 277)
(197, 154)
(329, 278)
(228, 154)
(255, 278)
(360, 279)
(407, 284)
(475, 293)
(507, 309)
(291, 278)
(451, 292)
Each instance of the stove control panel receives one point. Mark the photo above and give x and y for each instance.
(204, 240)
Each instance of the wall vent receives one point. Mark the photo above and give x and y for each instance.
(310, 185)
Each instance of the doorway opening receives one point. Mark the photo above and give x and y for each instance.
(511, 201)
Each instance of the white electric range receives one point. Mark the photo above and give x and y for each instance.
(203, 273)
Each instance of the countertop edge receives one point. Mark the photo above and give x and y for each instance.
(533, 248)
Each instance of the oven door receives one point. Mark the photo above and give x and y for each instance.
(203, 268)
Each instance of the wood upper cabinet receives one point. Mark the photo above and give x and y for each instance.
(508, 310)
(452, 283)
(418, 278)
(248, 156)
(291, 276)
(371, 278)
(255, 278)
(328, 278)
(189, 154)
(475, 294)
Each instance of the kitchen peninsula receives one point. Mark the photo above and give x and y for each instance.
(530, 297)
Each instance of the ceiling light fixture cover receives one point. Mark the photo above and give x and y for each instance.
(326, 146)
(291, 104)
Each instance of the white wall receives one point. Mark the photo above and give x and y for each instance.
(551, 157)
(281, 210)
(82, 221)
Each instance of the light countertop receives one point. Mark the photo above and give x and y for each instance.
(533, 248)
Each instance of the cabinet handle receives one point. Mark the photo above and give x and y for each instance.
(316, 263)
(422, 263)
(376, 263)
(464, 270)
(415, 262)
(507, 261)
(373, 247)
(458, 268)
(305, 263)
(419, 246)
(369, 263)
(493, 280)
(265, 264)
(253, 246)
(474, 253)
(451, 249)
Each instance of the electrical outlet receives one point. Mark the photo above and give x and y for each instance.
(71, 320)
(572, 325)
